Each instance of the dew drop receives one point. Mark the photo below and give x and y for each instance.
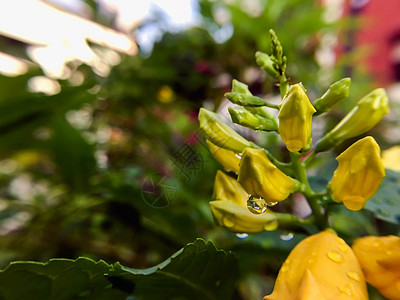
(256, 205)
(284, 269)
(383, 212)
(238, 155)
(345, 290)
(271, 204)
(336, 257)
(271, 225)
(242, 235)
(228, 223)
(287, 236)
(354, 276)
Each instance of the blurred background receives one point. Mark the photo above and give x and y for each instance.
(100, 153)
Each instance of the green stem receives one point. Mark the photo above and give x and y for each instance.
(291, 222)
(312, 198)
(271, 105)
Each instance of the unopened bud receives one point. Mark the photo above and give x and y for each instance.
(335, 93)
(267, 64)
(358, 175)
(295, 119)
(261, 178)
(221, 134)
(228, 159)
(365, 115)
(247, 119)
(230, 208)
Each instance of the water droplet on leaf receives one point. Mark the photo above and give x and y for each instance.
(242, 235)
(256, 205)
(287, 236)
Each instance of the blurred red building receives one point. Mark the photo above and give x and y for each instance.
(379, 35)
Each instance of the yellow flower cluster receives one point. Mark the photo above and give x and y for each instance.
(324, 267)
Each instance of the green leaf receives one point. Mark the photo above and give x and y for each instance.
(198, 271)
(73, 155)
(57, 279)
(385, 204)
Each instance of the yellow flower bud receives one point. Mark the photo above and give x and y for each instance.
(295, 119)
(261, 178)
(228, 159)
(227, 188)
(321, 267)
(365, 115)
(380, 260)
(358, 175)
(230, 208)
(221, 134)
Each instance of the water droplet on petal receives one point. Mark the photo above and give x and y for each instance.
(271, 225)
(284, 269)
(345, 290)
(256, 205)
(286, 237)
(271, 204)
(354, 276)
(336, 257)
(238, 155)
(242, 235)
(228, 223)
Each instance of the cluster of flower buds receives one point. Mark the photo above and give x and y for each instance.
(371, 259)
(257, 180)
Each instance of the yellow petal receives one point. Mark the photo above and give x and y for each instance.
(238, 219)
(380, 260)
(320, 267)
(227, 188)
(219, 133)
(228, 159)
(295, 119)
(261, 178)
(359, 174)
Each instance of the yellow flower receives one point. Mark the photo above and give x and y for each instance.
(358, 175)
(261, 178)
(365, 115)
(221, 134)
(320, 267)
(295, 119)
(228, 159)
(230, 208)
(380, 260)
(391, 158)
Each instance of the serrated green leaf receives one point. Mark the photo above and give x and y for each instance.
(57, 279)
(198, 271)
(385, 204)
